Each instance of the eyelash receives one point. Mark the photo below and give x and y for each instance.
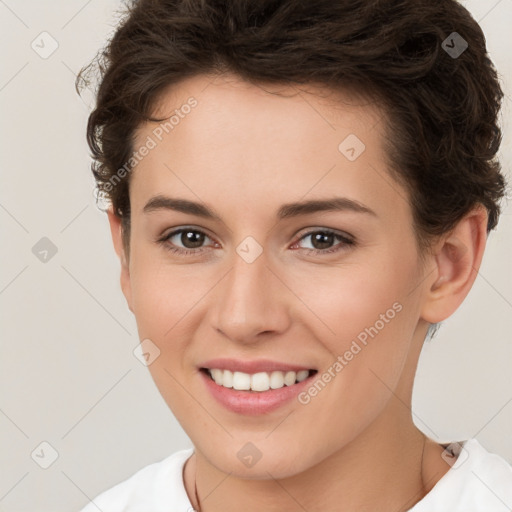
(346, 241)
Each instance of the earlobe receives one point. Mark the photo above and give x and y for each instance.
(117, 239)
(457, 258)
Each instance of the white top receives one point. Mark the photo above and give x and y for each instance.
(478, 481)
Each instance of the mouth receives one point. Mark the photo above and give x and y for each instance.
(254, 388)
(258, 382)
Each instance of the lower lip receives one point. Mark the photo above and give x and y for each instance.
(253, 402)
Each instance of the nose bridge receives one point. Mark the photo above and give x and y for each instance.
(250, 301)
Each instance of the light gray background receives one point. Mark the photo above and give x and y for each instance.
(68, 375)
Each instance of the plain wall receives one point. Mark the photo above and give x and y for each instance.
(68, 375)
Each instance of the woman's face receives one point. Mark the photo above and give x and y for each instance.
(262, 287)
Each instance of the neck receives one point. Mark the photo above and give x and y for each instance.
(382, 469)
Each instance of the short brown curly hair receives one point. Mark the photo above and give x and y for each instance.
(442, 133)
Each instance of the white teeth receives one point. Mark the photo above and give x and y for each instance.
(276, 380)
(261, 381)
(290, 378)
(302, 375)
(241, 381)
(217, 375)
(227, 378)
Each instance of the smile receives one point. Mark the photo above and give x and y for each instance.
(258, 382)
(254, 387)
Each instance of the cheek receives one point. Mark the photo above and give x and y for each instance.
(365, 319)
(154, 304)
(161, 293)
(358, 381)
(163, 304)
(347, 302)
(168, 303)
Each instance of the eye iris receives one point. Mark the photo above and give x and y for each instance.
(321, 239)
(193, 237)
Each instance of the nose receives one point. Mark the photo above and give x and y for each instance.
(253, 302)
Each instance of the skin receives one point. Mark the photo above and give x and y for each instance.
(244, 152)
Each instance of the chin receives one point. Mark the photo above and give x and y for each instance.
(253, 464)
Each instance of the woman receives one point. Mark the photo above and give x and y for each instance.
(300, 192)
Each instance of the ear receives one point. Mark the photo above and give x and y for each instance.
(117, 239)
(457, 258)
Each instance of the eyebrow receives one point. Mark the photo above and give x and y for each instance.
(285, 211)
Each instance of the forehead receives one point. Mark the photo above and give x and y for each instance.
(271, 111)
(222, 136)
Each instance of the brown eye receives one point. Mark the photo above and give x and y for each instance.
(322, 241)
(191, 239)
(184, 241)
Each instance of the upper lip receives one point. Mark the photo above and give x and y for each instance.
(254, 366)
